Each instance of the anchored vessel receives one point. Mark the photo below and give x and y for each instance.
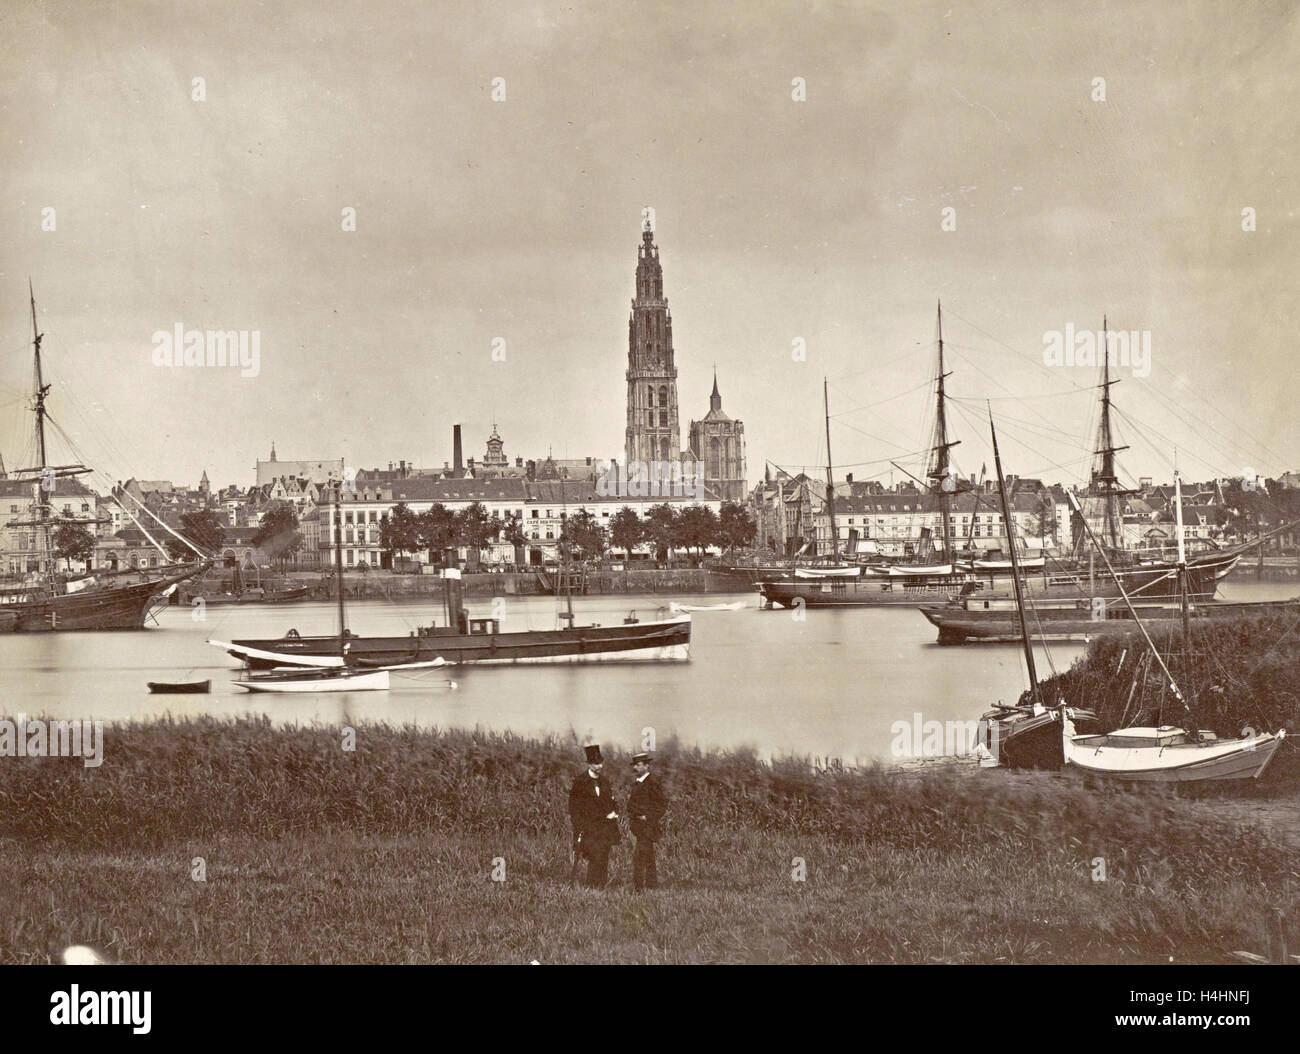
(45, 599)
(961, 573)
(463, 640)
(343, 672)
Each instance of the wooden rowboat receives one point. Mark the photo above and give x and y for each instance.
(180, 687)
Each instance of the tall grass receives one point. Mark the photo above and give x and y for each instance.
(383, 854)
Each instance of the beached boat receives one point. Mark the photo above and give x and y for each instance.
(737, 605)
(1166, 753)
(1028, 734)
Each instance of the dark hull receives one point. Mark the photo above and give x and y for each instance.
(1141, 583)
(116, 607)
(1031, 741)
(183, 688)
(642, 641)
(252, 596)
(958, 625)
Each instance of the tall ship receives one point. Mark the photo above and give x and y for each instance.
(43, 598)
(939, 573)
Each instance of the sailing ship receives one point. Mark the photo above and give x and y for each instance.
(1027, 735)
(45, 599)
(958, 575)
(345, 672)
(463, 640)
(1166, 753)
(996, 620)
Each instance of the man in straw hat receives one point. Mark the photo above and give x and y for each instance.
(594, 817)
(646, 806)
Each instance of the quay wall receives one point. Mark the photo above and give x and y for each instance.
(382, 585)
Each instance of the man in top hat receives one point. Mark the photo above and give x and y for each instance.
(594, 817)
(646, 806)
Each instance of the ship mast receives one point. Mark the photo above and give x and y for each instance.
(830, 476)
(1015, 567)
(940, 463)
(42, 483)
(338, 569)
(1103, 473)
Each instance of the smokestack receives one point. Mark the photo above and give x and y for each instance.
(457, 464)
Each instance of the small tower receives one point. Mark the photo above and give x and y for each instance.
(272, 449)
(204, 486)
(719, 442)
(494, 461)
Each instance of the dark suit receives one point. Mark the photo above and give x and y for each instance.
(646, 806)
(594, 832)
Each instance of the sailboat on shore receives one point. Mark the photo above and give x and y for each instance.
(43, 598)
(1167, 753)
(1025, 735)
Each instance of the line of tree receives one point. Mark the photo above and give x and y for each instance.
(665, 528)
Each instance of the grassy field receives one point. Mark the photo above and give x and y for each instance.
(385, 853)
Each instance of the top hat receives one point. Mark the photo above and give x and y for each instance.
(593, 754)
(643, 756)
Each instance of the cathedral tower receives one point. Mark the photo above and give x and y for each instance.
(653, 433)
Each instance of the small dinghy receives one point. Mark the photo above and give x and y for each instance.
(180, 687)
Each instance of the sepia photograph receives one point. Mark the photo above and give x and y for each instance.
(798, 482)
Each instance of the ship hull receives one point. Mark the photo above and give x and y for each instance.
(958, 625)
(664, 641)
(1142, 583)
(118, 607)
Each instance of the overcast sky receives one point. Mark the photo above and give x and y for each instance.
(777, 219)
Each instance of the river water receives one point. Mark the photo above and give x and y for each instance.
(830, 685)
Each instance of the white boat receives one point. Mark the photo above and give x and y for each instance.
(930, 569)
(278, 658)
(674, 606)
(1170, 755)
(329, 678)
(1165, 753)
(317, 679)
(827, 572)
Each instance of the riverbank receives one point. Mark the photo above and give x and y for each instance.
(384, 585)
(313, 853)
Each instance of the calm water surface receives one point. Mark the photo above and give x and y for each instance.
(830, 685)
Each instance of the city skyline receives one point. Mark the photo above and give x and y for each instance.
(780, 221)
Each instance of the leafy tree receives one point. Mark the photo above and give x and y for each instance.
(697, 527)
(399, 531)
(204, 528)
(473, 526)
(437, 531)
(277, 535)
(73, 541)
(736, 527)
(585, 535)
(661, 529)
(626, 529)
